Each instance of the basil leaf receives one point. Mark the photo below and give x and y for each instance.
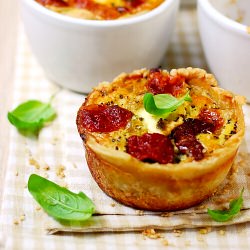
(165, 101)
(225, 215)
(163, 104)
(149, 105)
(31, 115)
(59, 202)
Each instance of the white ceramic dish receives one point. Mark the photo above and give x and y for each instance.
(224, 30)
(188, 2)
(78, 54)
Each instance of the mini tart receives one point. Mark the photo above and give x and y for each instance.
(151, 185)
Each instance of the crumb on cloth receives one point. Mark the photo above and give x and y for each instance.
(46, 167)
(34, 163)
(60, 171)
(167, 214)
(177, 232)
(248, 30)
(205, 230)
(222, 232)
(21, 218)
(139, 212)
(165, 242)
(151, 233)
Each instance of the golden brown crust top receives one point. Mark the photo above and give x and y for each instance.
(128, 90)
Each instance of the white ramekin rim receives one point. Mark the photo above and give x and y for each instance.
(222, 19)
(99, 23)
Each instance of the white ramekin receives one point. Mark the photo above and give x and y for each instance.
(226, 42)
(78, 54)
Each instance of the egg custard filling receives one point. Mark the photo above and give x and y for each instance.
(185, 118)
(100, 9)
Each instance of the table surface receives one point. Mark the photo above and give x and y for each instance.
(178, 56)
(8, 33)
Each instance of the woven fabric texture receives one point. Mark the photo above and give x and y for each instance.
(58, 155)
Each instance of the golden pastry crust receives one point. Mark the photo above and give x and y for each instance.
(154, 186)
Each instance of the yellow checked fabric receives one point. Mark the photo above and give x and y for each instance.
(58, 155)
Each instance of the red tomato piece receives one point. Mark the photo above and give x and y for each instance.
(103, 118)
(212, 116)
(56, 3)
(151, 148)
(185, 140)
(159, 83)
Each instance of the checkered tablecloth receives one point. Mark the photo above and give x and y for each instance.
(58, 155)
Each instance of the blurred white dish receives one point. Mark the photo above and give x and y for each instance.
(225, 35)
(78, 54)
(188, 2)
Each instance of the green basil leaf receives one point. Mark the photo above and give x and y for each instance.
(149, 105)
(220, 215)
(31, 115)
(225, 215)
(59, 202)
(163, 104)
(165, 101)
(236, 204)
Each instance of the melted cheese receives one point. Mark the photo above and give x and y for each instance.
(209, 141)
(226, 132)
(149, 121)
(110, 2)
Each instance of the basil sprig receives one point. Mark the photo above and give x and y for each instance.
(225, 215)
(31, 116)
(59, 202)
(163, 104)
